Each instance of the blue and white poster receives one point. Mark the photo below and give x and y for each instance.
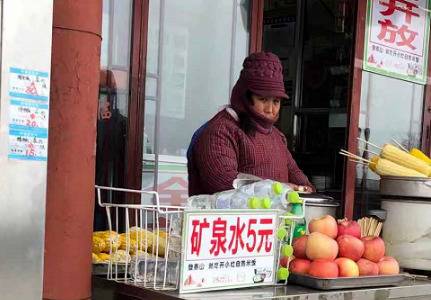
(25, 113)
(27, 144)
(28, 114)
(29, 84)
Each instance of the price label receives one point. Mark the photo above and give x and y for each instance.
(28, 84)
(27, 114)
(28, 144)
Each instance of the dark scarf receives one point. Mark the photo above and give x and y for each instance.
(241, 105)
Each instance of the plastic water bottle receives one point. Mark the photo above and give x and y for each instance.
(261, 188)
(201, 202)
(238, 200)
(274, 190)
(231, 199)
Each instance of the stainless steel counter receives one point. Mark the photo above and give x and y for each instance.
(418, 289)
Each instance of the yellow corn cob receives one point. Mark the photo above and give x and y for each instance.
(152, 240)
(95, 258)
(373, 163)
(162, 233)
(98, 244)
(104, 257)
(419, 154)
(405, 159)
(120, 256)
(386, 167)
(133, 244)
(111, 239)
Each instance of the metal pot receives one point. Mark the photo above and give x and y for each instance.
(317, 205)
(411, 187)
(407, 228)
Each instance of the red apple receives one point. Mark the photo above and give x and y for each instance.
(374, 248)
(388, 266)
(367, 267)
(326, 225)
(299, 266)
(284, 261)
(350, 247)
(347, 267)
(299, 246)
(349, 227)
(321, 246)
(323, 268)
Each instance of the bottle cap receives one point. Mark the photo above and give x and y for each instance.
(293, 197)
(253, 202)
(266, 202)
(296, 209)
(282, 274)
(277, 188)
(287, 250)
(281, 233)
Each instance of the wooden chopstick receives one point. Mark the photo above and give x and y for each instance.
(369, 143)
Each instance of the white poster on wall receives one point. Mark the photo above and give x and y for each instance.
(396, 39)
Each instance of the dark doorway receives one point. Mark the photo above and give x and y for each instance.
(314, 40)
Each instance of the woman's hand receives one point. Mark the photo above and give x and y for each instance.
(308, 189)
(302, 188)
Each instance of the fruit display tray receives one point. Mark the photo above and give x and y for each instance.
(345, 282)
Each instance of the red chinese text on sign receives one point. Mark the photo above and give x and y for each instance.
(398, 34)
(218, 240)
(404, 6)
(264, 235)
(196, 236)
(225, 236)
(237, 236)
(389, 33)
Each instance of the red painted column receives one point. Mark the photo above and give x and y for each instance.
(354, 111)
(76, 41)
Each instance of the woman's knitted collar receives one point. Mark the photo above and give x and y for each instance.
(257, 125)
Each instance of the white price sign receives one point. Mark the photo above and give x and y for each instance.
(226, 249)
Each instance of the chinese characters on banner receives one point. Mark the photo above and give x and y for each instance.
(396, 39)
(28, 114)
(228, 250)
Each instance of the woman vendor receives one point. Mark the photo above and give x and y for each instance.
(242, 138)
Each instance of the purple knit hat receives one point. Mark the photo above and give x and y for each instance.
(262, 74)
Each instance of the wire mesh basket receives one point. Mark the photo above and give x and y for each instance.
(148, 251)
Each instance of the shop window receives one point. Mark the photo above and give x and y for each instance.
(382, 98)
(194, 56)
(113, 100)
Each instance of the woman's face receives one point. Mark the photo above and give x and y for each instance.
(269, 107)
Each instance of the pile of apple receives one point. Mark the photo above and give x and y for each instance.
(337, 250)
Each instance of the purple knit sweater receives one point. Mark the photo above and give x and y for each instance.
(223, 150)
